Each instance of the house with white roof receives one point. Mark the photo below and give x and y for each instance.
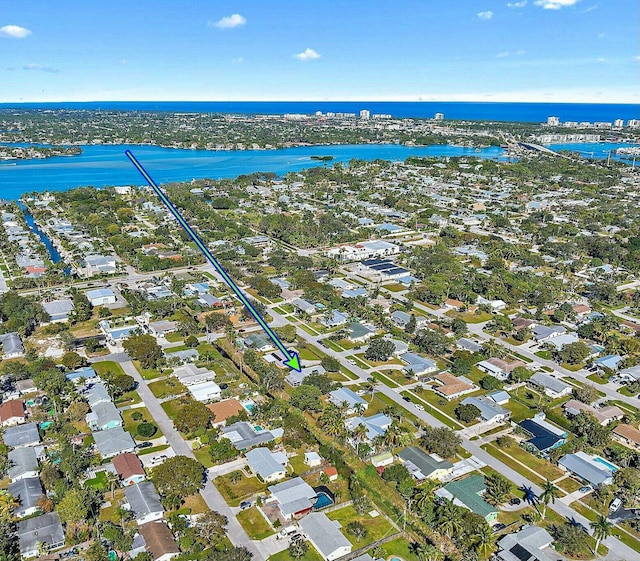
(101, 296)
(418, 365)
(294, 497)
(376, 425)
(205, 391)
(553, 387)
(345, 396)
(325, 536)
(268, 466)
(490, 411)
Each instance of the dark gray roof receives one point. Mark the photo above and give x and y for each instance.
(423, 461)
(45, 529)
(546, 381)
(583, 466)
(529, 542)
(23, 460)
(27, 491)
(22, 435)
(143, 499)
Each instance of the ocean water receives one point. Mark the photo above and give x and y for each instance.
(489, 111)
(101, 166)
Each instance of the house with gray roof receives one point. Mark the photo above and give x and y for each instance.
(591, 469)
(531, 543)
(294, 497)
(259, 341)
(22, 435)
(543, 333)
(376, 425)
(244, 436)
(97, 393)
(304, 306)
(325, 536)
(12, 346)
(28, 492)
(465, 344)
(422, 465)
(345, 396)
(295, 378)
(144, 502)
(58, 310)
(85, 373)
(358, 333)
(268, 466)
(553, 387)
(418, 365)
(104, 415)
(354, 293)
(23, 462)
(45, 529)
(111, 442)
(184, 356)
(334, 319)
(101, 296)
(490, 411)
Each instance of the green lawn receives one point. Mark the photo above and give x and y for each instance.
(107, 366)
(519, 410)
(233, 493)
(152, 449)
(131, 425)
(497, 453)
(597, 379)
(386, 380)
(400, 547)
(569, 484)
(129, 398)
(147, 374)
(546, 355)
(99, 482)
(311, 555)
(377, 528)
(540, 466)
(432, 408)
(203, 456)
(167, 387)
(171, 407)
(254, 523)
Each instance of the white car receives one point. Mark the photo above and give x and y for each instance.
(418, 407)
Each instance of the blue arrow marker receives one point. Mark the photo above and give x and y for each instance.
(291, 357)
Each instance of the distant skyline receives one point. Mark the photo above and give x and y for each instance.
(291, 50)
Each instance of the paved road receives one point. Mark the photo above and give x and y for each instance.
(617, 550)
(209, 493)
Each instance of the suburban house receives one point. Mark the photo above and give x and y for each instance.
(627, 435)
(304, 306)
(592, 469)
(382, 460)
(58, 310)
(104, 415)
(551, 386)
(312, 459)
(295, 378)
(610, 361)
(205, 391)
(28, 492)
(97, 393)
(452, 387)
(499, 396)
(294, 497)
(325, 536)
(159, 541)
(161, 328)
(424, 466)
(468, 493)
(544, 435)
(12, 346)
(376, 425)
(111, 442)
(498, 368)
(12, 413)
(22, 435)
(260, 342)
(334, 319)
(418, 365)
(129, 468)
(268, 466)
(101, 296)
(45, 529)
(85, 373)
(543, 333)
(23, 462)
(358, 333)
(244, 436)
(604, 415)
(225, 409)
(190, 374)
(465, 344)
(350, 399)
(490, 411)
(529, 544)
(144, 502)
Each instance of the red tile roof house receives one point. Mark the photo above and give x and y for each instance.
(129, 467)
(12, 413)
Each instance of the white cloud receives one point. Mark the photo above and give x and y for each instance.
(555, 4)
(228, 22)
(485, 15)
(637, 58)
(40, 67)
(517, 4)
(307, 54)
(123, 62)
(14, 32)
(503, 54)
(601, 59)
(520, 52)
(238, 60)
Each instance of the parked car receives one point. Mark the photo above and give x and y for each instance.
(585, 489)
(406, 398)
(418, 407)
(615, 504)
(245, 504)
(497, 527)
(145, 444)
(515, 501)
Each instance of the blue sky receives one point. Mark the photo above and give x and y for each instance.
(453, 50)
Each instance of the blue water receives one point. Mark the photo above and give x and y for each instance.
(596, 150)
(606, 464)
(323, 501)
(53, 252)
(101, 166)
(522, 112)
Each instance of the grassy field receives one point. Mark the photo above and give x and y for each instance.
(131, 425)
(540, 466)
(377, 528)
(235, 493)
(497, 453)
(311, 555)
(107, 366)
(400, 547)
(569, 484)
(129, 398)
(254, 523)
(171, 407)
(147, 374)
(167, 387)
(432, 410)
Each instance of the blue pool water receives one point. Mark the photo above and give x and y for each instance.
(606, 464)
(323, 501)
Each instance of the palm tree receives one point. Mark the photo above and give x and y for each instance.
(359, 435)
(549, 495)
(602, 529)
(112, 479)
(7, 504)
(449, 518)
(484, 541)
(427, 552)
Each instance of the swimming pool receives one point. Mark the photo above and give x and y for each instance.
(323, 501)
(606, 464)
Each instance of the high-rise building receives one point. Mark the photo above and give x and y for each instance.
(553, 121)
(618, 123)
(365, 114)
(439, 116)
(633, 123)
